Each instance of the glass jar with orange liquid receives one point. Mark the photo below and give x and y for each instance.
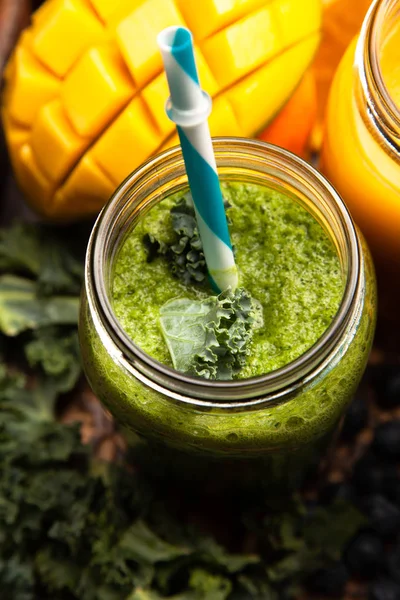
(361, 151)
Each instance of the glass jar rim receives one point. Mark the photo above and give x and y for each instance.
(383, 111)
(240, 393)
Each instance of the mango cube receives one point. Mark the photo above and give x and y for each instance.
(251, 92)
(127, 142)
(16, 136)
(85, 189)
(29, 87)
(215, 14)
(34, 181)
(55, 143)
(110, 11)
(96, 89)
(243, 46)
(65, 30)
(296, 24)
(223, 118)
(137, 37)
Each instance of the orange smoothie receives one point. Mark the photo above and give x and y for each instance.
(361, 154)
(363, 171)
(390, 64)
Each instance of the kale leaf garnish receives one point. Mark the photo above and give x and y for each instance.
(210, 338)
(185, 253)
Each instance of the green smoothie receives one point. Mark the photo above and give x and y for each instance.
(290, 266)
(285, 260)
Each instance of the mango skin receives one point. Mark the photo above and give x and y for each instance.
(84, 96)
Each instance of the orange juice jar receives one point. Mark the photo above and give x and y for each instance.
(361, 150)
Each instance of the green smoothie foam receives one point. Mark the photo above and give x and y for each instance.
(285, 260)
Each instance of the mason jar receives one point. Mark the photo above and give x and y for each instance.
(361, 149)
(276, 425)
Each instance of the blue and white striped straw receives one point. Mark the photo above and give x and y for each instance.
(189, 107)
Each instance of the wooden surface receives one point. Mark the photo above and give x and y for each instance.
(14, 15)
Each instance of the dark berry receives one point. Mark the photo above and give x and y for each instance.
(336, 491)
(356, 418)
(363, 556)
(387, 440)
(386, 381)
(372, 476)
(384, 515)
(384, 589)
(391, 486)
(381, 377)
(392, 390)
(368, 475)
(330, 581)
(393, 562)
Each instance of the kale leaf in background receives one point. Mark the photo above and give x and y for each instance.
(41, 274)
(72, 528)
(55, 350)
(22, 308)
(54, 258)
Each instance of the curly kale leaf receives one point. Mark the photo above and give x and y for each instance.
(21, 308)
(20, 249)
(185, 255)
(54, 258)
(56, 351)
(210, 338)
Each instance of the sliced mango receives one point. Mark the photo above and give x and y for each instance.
(137, 37)
(34, 182)
(68, 26)
(215, 14)
(127, 142)
(243, 46)
(266, 89)
(85, 92)
(86, 190)
(16, 136)
(297, 20)
(55, 143)
(111, 11)
(30, 86)
(223, 118)
(96, 89)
